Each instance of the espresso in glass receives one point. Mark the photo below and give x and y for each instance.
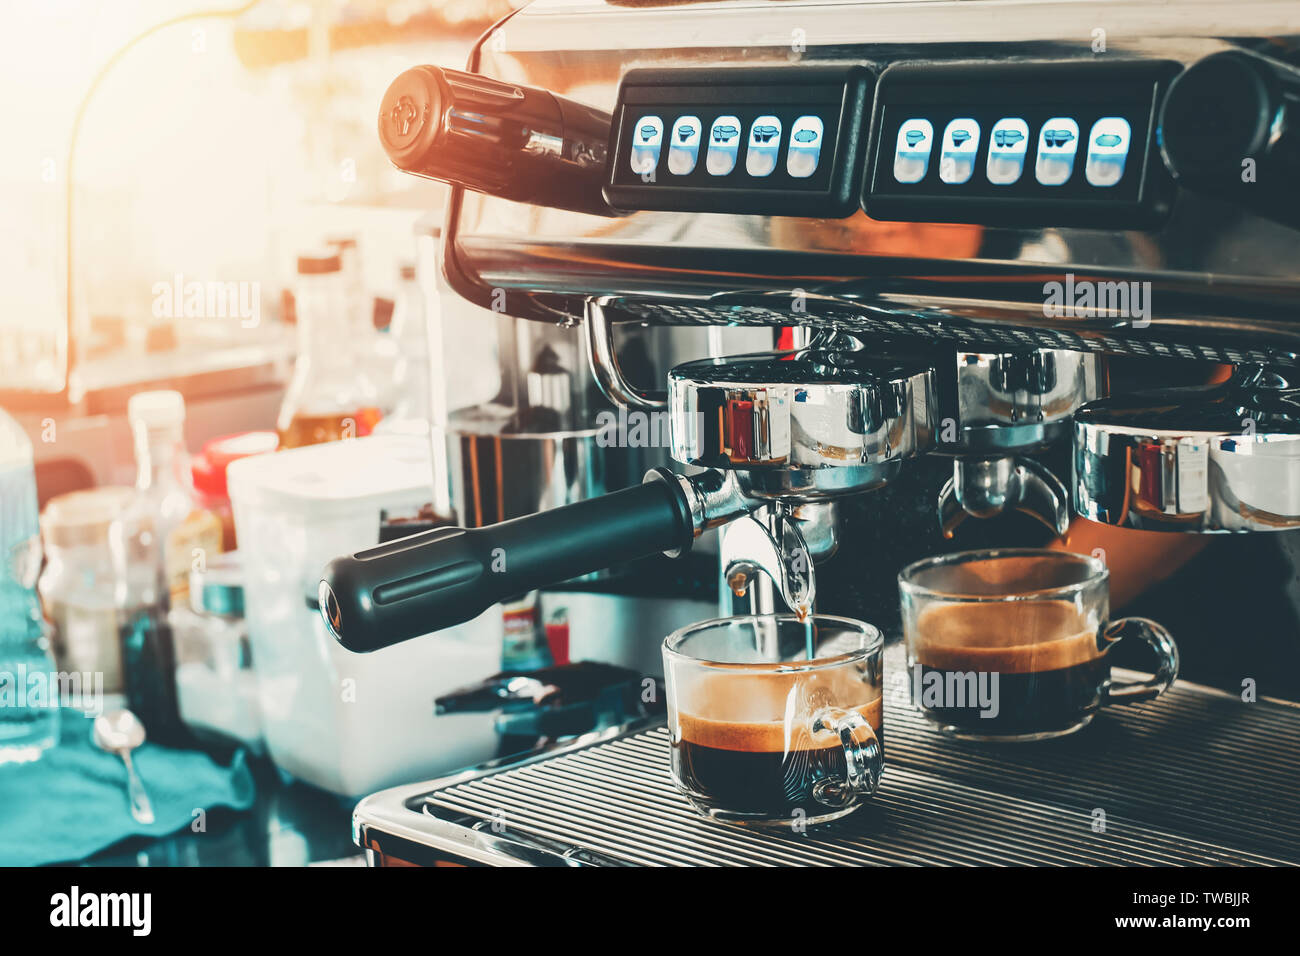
(762, 732)
(1013, 644)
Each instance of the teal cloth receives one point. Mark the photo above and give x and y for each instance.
(72, 802)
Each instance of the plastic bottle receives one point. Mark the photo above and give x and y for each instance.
(208, 471)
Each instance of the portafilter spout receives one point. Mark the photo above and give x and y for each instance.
(782, 542)
(1004, 408)
(987, 487)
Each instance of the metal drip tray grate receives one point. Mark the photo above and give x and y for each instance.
(1193, 778)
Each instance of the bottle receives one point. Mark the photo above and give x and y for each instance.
(151, 560)
(409, 336)
(208, 474)
(29, 714)
(523, 645)
(331, 395)
(216, 686)
(374, 347)
(78, 587)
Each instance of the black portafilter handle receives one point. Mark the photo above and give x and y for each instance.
(441, 578)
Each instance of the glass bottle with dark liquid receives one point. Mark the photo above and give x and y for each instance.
(153, 560)
(331, 395)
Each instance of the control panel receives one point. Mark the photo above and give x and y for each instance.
(1001, 144)
(1051, 144)
(766, 142)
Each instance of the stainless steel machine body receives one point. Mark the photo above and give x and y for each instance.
(1219, 278)
(964, 300)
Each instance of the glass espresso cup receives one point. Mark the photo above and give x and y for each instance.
(1013, 644)
(775, 720)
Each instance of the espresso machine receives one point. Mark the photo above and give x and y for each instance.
(1049, 252)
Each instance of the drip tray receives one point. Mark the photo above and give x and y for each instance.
(1195, 778)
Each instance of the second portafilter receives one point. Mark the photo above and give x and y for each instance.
(1220, 458)
(1005, 408)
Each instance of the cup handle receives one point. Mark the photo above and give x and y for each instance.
(1127, 692)
(865, 761)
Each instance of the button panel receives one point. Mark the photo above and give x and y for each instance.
(1035, 144)
(1069, 143)
(784, 141)
(724, 139)
(1008, 148)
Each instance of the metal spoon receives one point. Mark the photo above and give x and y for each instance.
(120, 732)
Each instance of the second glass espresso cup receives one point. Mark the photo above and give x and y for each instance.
(775, 720)
(1012, 644)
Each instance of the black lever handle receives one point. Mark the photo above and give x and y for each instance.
(440, 578)
(1229, 129)
(504, 139)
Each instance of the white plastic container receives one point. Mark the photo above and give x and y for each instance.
(349, 723)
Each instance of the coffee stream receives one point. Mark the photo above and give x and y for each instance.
(800, 585)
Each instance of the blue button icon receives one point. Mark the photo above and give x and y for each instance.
(684, 145)
(912, 151)
(805, 147)
(961, 142)
(764, 146)
(1058, 142)
(647, 140)
(1008, 144)
(1108, 144)
(724, 144)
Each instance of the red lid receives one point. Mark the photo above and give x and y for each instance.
(208, 467)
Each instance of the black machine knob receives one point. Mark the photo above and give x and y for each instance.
(440, 578)
(503, 139)
(1228, 129)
